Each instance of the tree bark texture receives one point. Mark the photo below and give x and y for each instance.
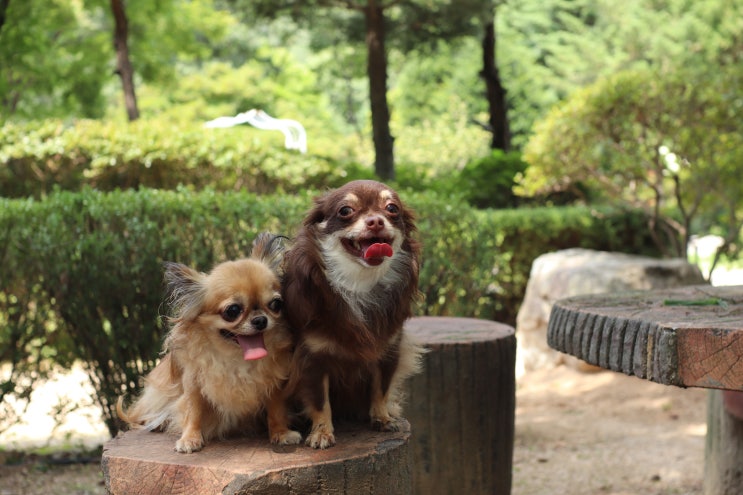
(687, 336)
(496, 94)
(384, 163)
(3, 9)
(723, 456)
(123, 64)
(461, 408)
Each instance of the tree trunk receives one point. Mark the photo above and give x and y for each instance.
(461, 408)
(123, 65)
(3, 9)
(384, 164)
(496, 94)
(723, 456)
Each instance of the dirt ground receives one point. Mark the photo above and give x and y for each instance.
(605, 433)
(577, 433)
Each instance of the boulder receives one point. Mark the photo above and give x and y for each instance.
(574, 272)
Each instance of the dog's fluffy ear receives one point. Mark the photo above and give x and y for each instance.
(317, 213)
(270, 249)
(185, 290)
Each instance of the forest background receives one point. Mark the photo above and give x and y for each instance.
(512, 104)
(637, 105)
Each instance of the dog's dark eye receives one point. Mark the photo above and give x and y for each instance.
(392, 209)
(232, 312)
(276, 304)
(345, 212)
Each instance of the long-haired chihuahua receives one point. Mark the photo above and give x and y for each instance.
(226, 356)
(350, 279)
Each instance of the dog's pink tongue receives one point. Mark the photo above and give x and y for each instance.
(253, 346)
(378, 250)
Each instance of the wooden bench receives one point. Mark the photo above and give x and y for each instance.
(687, 337)
(462, 411)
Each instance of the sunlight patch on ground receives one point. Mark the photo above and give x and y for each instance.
(697, 430)
(82, 427)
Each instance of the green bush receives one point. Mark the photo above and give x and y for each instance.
(477, 262)
(488, 181)
(93, 260)
(82, 271)
(38, 157)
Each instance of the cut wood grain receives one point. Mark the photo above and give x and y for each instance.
(659, 335)
(689, 337)
(363, 461)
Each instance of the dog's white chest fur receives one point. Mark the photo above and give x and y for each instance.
(354, 280)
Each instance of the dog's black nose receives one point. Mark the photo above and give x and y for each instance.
(259, 322)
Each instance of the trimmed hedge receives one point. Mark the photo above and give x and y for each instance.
(39, 157)
(81, 272)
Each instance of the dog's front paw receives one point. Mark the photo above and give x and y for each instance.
(288, 437)
(387, 423)
(321, 437)
(186, 445)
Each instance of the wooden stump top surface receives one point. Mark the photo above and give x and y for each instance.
(689, 336)
(455, 330)
(144, 462)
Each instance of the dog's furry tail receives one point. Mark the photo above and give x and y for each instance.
(410, 363)
(124, 415)
(270, 249)
(138, 418)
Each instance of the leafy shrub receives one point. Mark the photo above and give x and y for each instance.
(82, 271)
(488, 181)
(94, 261)
(645, 138)
(440, 146)
(477, 263)
(37, 157)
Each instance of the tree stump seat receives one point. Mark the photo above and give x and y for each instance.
(687, 337)
(461, 408)
(363, 461)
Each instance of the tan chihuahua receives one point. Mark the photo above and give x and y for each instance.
(226, 357)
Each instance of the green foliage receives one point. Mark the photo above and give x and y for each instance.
(436, 151)
(272, 81)
(168, 30)
(52, 65)
(38, 157)
(82, 276)
(477, 263)
(199, 59)
(58, 59)
(430, 88)
(489, 181)
(667, 143)
(547, 49)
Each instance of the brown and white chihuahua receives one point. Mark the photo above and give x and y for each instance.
(350, 279)
(227, 354)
